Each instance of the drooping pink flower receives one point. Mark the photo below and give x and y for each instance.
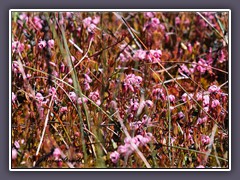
(171, 98)
(56, 153)
(146, 121)
(139, 55)
(202, 66)
(206, 100)
(213, 89)
(202, 120)
(14, 154)
(158, 94)
(17, 47)
(87, 21)
(14, 97)
(114, 156)
(149, 103)
(215, 103)
(205, 139)
(135, 125)
(177, 20)
(96, 20)
(37, 22)
(81, 100)
(94, 95)
(186, 97)
(149, 14)
(51, 43)
(134, 105)
(132, 82)
(63, 109)
(183, 70)
(42, 44)
(87, 78)
(73, 96)
(181, 115)
(16, 144)
(222, 57)
(70, 81)
(200, 166)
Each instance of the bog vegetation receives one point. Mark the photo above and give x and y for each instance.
(119, 90)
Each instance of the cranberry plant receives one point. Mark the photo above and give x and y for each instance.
(119, 90)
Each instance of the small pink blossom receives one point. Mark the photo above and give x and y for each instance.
(42, 44)
(149, 103)
(17, 47)
(200, 166)
(135, 125)
(73, 96)
(183, 70)
(181, 115)
(87, 21)
(70, 81)
(171, 98)
(202, 120)
(132, 82)
(189, 46)
(146, 120)
(149, 14)
(139, 55)
(83, 99)
(39, 97)
(158, 94)
(37, 22)
(215, 103)
(87, 78)
(56, 153)
(14, 154)
(213, 89)
(96, 20)
(186, 97)
(114, 156)
(94, 95)
(177, 20)
(63, 109)
(51, 43)
(222, 57)
(206, 100)
(134, 105)
(16, 144)
(14, 97)
(205, 139)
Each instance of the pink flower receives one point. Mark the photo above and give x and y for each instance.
(171, 98)
(39, 97)
(146, 120)
(87, 78)
(87, 21)
(215, 103)
(14, 154)
(206, 100)
(17, 47)
(16, 144)
(199, 96)
(222, 57)
(177, 20)
(213, 89)
(205, 139)
(200, 166)
(202, 120)
(37, 22)
(56, 153)
(189, 46)
(114, 156)
(91, 28)
(139, 55)
(70, 81)
(14, 97)
(158, 93)
(51, 43)
(94, 95)
(63, 109)
(83, 99)
(185, 97)
(183, 70)
(202, 66)
(149, 103)
(73, 96)
(149, 14)
(134, 105)
(96, 20)
(132, 82)
(181, 115)
(42, 44)
(135, 125)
